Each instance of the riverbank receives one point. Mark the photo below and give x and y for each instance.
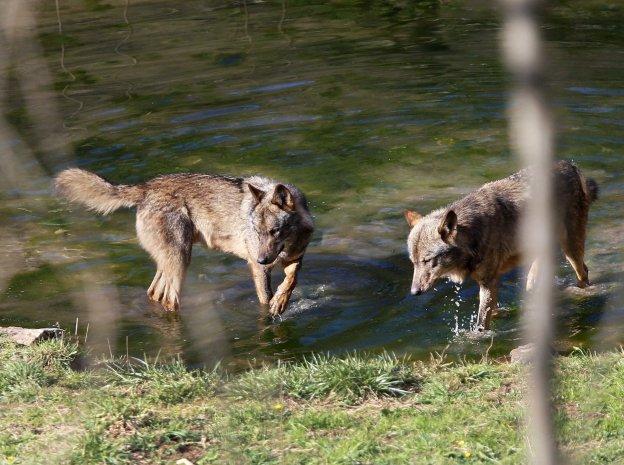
(356, 409)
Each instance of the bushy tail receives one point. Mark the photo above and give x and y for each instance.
(591, 189)
(95, 193)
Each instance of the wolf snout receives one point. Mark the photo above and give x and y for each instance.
(268, 258)
(417, 287)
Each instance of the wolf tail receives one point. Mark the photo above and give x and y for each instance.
(95, 193)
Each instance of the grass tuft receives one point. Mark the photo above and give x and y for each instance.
(18, 377)
(54, 354)
(164, 382)
(23, 370)
(349, 379)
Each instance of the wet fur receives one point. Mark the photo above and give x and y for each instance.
(476, 236)
(254, 218)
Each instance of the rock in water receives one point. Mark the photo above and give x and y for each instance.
(28, 336)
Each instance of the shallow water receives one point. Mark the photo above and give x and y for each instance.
(369, 107)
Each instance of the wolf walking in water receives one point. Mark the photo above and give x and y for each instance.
(260, 220)
(476, 236)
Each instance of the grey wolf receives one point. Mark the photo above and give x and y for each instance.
(260, 220)
(476, 236)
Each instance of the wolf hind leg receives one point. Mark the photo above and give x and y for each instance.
(575, 259)
(573, 246)
(168, 237)
(167, 284)
(155, 283)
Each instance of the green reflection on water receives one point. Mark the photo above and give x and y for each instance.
(369, 106)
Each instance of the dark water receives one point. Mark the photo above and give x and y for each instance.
(369, 107)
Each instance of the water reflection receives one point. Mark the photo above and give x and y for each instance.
(369, 107)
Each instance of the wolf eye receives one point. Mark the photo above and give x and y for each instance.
(433, 257)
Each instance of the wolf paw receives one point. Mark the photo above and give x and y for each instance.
(170, 303)
(278, 304)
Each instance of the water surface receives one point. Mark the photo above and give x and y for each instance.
(369, 107)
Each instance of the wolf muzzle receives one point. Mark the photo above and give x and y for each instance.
(416, 288)
(267, 259)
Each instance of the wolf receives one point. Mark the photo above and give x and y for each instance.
(476, 236)
(265, 222)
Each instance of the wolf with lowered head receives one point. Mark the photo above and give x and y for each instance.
(262, 221)
(476, 236)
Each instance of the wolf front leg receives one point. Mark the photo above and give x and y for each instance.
(284, 291)
(262, 279)
(488, 301)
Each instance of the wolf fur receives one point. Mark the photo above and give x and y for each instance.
(476, 236)
(260, 220)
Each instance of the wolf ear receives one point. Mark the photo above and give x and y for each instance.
(448, 226)
(412, 217)
(258, 194)
(283, 198)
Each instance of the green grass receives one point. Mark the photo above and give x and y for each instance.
(348, 380)
(355, 409)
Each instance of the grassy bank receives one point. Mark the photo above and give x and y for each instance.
(353, 410)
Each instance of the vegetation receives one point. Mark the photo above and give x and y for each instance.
(357, 409)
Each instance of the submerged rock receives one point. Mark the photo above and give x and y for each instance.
(28, 336)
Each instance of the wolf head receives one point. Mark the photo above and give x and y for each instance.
(435, 249)
(273, 219)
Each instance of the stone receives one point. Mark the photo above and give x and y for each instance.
(29, 336)
(522, 354)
